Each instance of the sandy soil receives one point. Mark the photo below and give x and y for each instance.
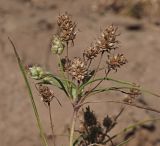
(31, 24)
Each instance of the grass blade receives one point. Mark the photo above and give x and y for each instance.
(124, 142)
(109, 79)
(130, 127)
(128, 85)
(31, 95)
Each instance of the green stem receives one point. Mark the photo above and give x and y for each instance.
(63, 75)
(97, 68)
(61, 67)
(72, 127)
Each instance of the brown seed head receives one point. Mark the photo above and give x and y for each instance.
(77, 69)
(46, 93)
(108, 40)
(66, 28)
(66, 62)
(116, 61)
(91, 52)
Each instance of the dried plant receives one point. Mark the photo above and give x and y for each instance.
(79, 80)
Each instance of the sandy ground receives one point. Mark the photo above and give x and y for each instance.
(31, 24)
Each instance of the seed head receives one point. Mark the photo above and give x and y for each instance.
(108, 40)
(116, 61)
(66, 28)
(36, 72)
(91, 52)
(77, 69)
(57, 45)
(107, 122)
(89, 117)
(66, 63)
(46, 93)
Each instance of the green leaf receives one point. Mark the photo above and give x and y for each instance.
(109, 79)
(56, 81)
(122, 88)
(128, 85)
(62, 79)
(112, 88)
(59, 82)
(44, 141)
(74, 93)
(124, 142)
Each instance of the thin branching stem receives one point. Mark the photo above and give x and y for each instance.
(119, 89)
(51, 122)
(90, 91)
(120, 102)
(125, 142)
(67, 50)
(109, 138)
(98, 66)
(63, 75)
(61, 67)
(67, 62)
(50, 118)
(73, 127)
(131, 127)
(89, 64)
(120, 113)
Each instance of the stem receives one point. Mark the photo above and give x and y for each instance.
(67, 50)
(90, 91)
(51, 122)
(89, 64)
(50, 117)
(98, 65)
(109, 138)
(67, 62)
(100, 81)
(61, 67)
(63, 75)
(131, 127)
(72, 127)
(129, 104)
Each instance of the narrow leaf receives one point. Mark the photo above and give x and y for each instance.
(30, 93)
(109, 79)
(124, 142)
(133, 126)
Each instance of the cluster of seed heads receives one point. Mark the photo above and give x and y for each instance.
(76, 68)
(106, 42)
(92, 130)
(77, 74)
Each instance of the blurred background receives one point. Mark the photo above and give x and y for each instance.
(31, 25)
